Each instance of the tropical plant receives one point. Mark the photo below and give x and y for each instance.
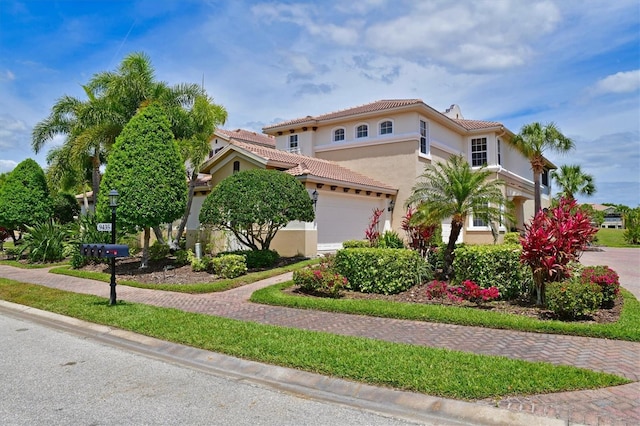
(552, 240)
(255, 204)
(148, 173)
(199, 124)
(533, 140)
(390, 239)
(454, 190)
(46, 242)
(421, 236)
(632, 226)
(572, 180)
(606, 278)
(372, 233)
(24, 197)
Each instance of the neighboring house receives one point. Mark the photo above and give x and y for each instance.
(367, 157)
(612, 218)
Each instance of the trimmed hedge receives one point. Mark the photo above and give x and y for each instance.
(229, 266)
(356, 244)
(256, 258)
(381, 270)
(492, 265)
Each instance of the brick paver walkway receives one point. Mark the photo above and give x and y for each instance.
(615, 405)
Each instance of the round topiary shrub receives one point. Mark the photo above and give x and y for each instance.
(572, 299)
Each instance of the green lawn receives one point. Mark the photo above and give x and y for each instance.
(612, 238)
(438, 372)
(627, 328)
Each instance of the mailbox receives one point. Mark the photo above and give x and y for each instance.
(104, 250)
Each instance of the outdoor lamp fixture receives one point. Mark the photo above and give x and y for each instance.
(314, 197)
(392, 204)
(113, 203)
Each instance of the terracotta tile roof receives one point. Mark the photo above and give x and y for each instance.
(249, 136)
(303, 165)
(381, 105)
(476, 124)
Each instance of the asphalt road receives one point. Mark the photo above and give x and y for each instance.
(50, 377)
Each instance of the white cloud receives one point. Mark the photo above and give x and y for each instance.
(474, 36)
(620, 82)
(12, 131)
(7, 165)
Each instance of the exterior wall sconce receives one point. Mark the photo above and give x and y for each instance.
(392, 204)
(314, 197)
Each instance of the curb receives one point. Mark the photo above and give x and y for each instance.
(384, 401)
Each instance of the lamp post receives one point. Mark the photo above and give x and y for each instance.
(113, 203)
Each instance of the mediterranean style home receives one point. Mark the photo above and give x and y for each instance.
(358, 159)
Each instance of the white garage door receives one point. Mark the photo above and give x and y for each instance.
(342, 217)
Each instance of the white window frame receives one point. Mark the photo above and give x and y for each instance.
(478, 227)
(357, 131)
(294, 143)
(335, 132)
(380, 127)
(481, 139)
(424, 134)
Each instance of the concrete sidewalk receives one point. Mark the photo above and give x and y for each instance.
(617, 405)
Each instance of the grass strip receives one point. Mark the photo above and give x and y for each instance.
(212, 287)
(18, 264)
(626, 328)
(437, 372)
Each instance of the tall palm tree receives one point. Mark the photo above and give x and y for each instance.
(455, 190)
(573, 181)
(533, 140)
(91, 126)
(197, 127)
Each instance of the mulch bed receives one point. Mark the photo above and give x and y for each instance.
(165, 272)
(418, 294)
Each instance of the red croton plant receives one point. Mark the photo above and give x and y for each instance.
(552, 240)
(419, 235)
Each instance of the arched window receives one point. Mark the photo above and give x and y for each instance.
(362, 131)
(338, 135)
(236, 166)
(386, 127)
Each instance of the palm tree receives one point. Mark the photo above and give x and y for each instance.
(532, 141)
(92, 126)
(573, 181)
(455, 190)
(198, 125)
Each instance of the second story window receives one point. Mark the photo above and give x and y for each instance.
(338, 135)
(236, 166)
(293, 143)
(499, 154)
(544, 177)
(424, 137)
(386, 128)
(362, 131)
(478, 152)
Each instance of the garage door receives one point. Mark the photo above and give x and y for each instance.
(342, 217)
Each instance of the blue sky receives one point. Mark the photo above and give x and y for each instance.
(573, 62)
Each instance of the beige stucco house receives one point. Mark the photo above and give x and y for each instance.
(367, 157)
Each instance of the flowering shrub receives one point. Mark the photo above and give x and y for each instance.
(469, 291)
(474, 293)
(552, 240)
(606, 278)
(437, 290)
(321, 279)
(572, 299)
